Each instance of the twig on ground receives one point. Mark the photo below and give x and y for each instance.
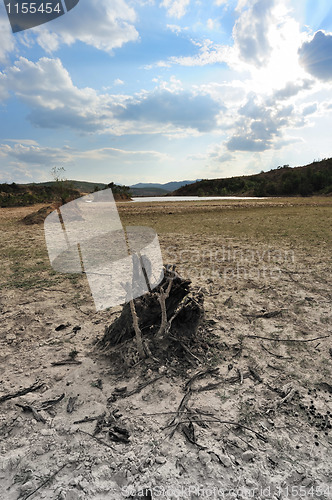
(255, 374)
(135, 391)
(45, 405)
(185, 348)
(37, 416)
(66, 362)
(288, 397)
(267, 315)
(87, 419)
(201, 374)
(45, 482)
(286, 340)
(97, 439)
(227, 422)
(71, 404)
(34, 387)
(274, 354)
(231, 380)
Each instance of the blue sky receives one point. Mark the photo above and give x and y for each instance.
(159, 90)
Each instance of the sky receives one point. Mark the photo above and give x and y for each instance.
(131, 91)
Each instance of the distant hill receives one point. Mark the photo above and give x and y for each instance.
(57, 193)
(315, 178)
(82, 186)
(148, 191)
(168, 187)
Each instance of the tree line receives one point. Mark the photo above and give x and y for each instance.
(313, 179)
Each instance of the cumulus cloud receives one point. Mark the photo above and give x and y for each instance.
(104, 25)
(34, 154)
(53, 99)
(126, 156)
(260, 126)
(182, 109)
(291, 89)
(208, 53)
(221, 157)
(175, 8)
(30, 153)
(250, 32)
(241, 143)
(316, 56)
(55, 102)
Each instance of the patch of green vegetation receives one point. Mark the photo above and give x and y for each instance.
(59, 191)
(315, 178)
(20, 195)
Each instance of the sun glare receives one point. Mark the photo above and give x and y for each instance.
(283, 65)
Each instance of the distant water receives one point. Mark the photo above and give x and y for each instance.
(193, 198)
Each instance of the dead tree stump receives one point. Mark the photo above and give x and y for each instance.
(184, 311)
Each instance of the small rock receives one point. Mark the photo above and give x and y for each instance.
(73, 495)
(229, 302)
(61, 327)
(84, 485)
(225, 460)
(248, 456)
(249, 483)
(46, 432)
(40, 450)
(28, 486)
(160, 460)
(204, 457)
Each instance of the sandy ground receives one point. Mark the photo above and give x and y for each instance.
(263, 430)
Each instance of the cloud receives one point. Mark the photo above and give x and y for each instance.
(291, 89)
(208, 53)
(55, 102)
(260, 125)
(221, 157)
(53, 99)
(310, 109)
(27, 155)
(174, 28)
(316, 56)
(104, 25)
(181, 109)
(118, 81)
(175, 8)
(34, 154)
(7, 41)
(124, 155)
(240, 143)
(287, 141)
(250, 32)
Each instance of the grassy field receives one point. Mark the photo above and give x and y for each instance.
(299, 223)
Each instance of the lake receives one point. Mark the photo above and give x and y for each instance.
(192, 198)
